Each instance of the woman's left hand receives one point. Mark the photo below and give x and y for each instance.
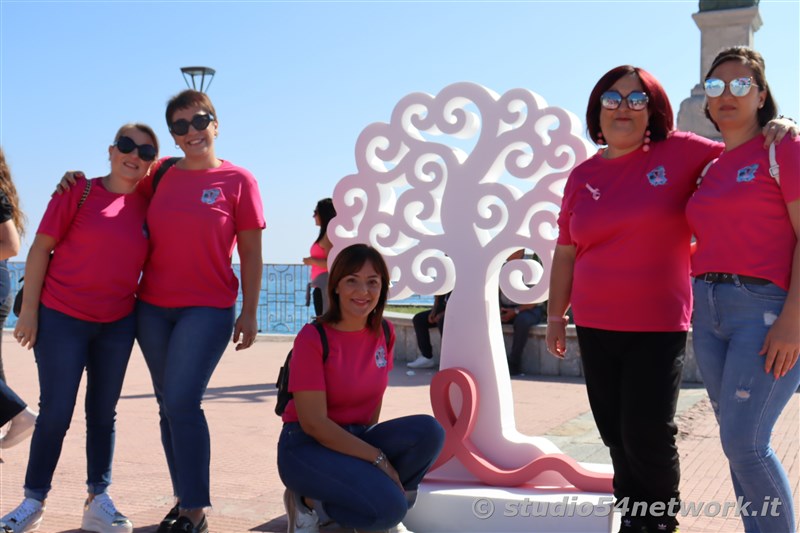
(245, 330)
(781, 346)
(776, 129)
(389, 470)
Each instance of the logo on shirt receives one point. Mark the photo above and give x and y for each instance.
(747, 173)
(657, 176)
(380, 357)
(210, 196)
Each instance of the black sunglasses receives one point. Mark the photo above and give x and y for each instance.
(199, 122)
(637, 100)
(147, 152)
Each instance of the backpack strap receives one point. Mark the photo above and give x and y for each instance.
(85, 193)
(386, 331)
(705, 170)
(774, 168)
(162, 169)
(324, 339)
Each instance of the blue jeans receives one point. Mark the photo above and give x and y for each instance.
(64, 348)
(730, 323)
(523, 323)
(353, 492)
(182, 347)
(10, 404)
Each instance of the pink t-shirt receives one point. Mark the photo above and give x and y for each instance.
(99, 253)
(318, 252)
(354, 377)
(625, 216)
(193, 219)
(739, 214)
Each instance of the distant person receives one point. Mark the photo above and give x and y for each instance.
(202, 208)
(78, 316)
(318, 260)
(423, 322)
(523, 317)
(746, 285)
(16, 419)
(337, 460)
(622, 262)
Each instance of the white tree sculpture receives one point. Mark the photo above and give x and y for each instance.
(447, 191)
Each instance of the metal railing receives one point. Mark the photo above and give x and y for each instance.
(281, 303)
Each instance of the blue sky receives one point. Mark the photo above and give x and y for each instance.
(298, 81)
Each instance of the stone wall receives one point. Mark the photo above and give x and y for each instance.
(536, 360)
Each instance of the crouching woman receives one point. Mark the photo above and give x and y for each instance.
(336, 460)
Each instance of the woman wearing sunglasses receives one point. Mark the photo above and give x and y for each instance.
(202, 207)
(78, 314)
(318, 260)
(746, 217)
(622, 263)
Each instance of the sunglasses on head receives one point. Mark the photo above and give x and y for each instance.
(739, 87)
(199, 122)
(637, 100)
(147, 152)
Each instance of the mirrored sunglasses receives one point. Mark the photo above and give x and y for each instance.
(199, 122)
(739, 87)
(637, 100)
(147, 152)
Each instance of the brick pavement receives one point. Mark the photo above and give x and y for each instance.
(245, 487)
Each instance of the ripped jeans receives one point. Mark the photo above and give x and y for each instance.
(731, 321)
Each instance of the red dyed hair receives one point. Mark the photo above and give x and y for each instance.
(661, 123)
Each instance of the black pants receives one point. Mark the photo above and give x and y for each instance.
(423, 330)
(633, 380)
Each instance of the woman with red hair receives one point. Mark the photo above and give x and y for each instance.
(622, 263)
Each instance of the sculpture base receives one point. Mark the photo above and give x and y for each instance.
(444, 507)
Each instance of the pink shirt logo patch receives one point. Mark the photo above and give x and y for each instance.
(380, 357)
(657, 176)
(210, 196)
(747, 173)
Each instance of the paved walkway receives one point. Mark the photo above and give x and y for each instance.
(245, 487)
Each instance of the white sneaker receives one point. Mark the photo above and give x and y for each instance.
(18, 428)
(26, 517)
(399, 528)
(300, 518)
(422, 362)
(101, 515)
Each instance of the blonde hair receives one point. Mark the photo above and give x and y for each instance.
(7, 187)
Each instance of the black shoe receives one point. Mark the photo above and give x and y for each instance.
(630, 524)
(166, 524)
(184, 525)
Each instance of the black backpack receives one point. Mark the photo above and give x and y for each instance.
(283, 375)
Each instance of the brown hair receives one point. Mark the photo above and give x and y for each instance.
(8, 188)
(189, 98)
(144, 128)
(755, 62)
(349, 261)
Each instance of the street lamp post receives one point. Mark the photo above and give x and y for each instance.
(198, 74)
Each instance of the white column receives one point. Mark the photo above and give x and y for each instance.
(718, 30)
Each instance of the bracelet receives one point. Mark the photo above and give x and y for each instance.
(557, 318)
(378, 460)
(787, 118)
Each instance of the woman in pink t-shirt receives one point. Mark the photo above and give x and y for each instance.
(318, 258)
(331, 430)
(78, 315)
(747, 283)
(199, 211)
(622, 263)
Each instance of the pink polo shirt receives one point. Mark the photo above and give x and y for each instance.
(625, 216)
(193, 220)
(739, 213)
(354, 377)
(99, 253)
